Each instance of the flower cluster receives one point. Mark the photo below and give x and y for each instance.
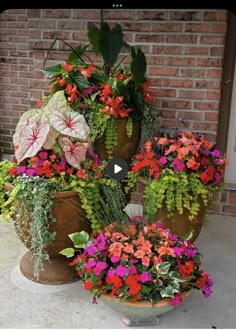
(141, 262)
(185, 152)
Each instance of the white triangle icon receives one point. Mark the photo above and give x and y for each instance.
(117, 168)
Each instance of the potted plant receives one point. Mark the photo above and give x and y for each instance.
(180, 176)
(138, 267)
(114, 97)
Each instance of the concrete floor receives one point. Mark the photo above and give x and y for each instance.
(25, 304)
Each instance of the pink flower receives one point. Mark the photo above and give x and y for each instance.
(20, 170)
(100, 266)
(121, 270)
(163, 160)
(178, 165)
(176, 300)
(43, 155)
(90, 264)
(30, 171)
(111, 272)
(132, 270)
(91, 250)
(145, 277)
(115, 259)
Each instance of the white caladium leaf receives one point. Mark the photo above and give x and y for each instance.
(70, 123)
(57, 103)
(27, 118)
(32, 139)
(74, 153)
(51, 138)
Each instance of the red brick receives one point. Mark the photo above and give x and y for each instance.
(120, 13)
(149, 38)
(211, 84)
(213, 95)
(177, 104)
(177, 82)
(88, 13)
(215, 15)
(214, 73)
(167, 49)
(189, 115)
(152, 15)
(185, 15)
(224, 196)
(219, 27)
(197, 27)
(211, 116)
(196, 50)
(170, 114)
(162, 71)
(160, 92)
(130, 26)
(56, 13)
(181, 39)
(18, 11)
(17, 25)
(213, 62)
(191, 94)
(167, 27)
(37, 24)
(217, 51)
(71, 25)
(193, 73)
(204, 126)
(155, 60)
(180, 61)
(230, 209)
(34, 13)
(35, 34)
(232, 197)
(203, 105)
(212, 40)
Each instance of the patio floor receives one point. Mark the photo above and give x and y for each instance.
(26, 304)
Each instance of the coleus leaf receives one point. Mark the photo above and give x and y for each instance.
(31, 140)
(57, 103)
(28, 117)
(70, 123)
(74, 153)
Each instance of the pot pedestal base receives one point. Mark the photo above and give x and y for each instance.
(140, 321)
(57, 271)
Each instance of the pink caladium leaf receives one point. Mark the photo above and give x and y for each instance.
(74, 153)
(32, 139)
(57, 103)
(70, 123)
(27, 118)
(51, 138)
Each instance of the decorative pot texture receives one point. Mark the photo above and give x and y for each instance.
(70, 218)
(126, 147)
(140, 312)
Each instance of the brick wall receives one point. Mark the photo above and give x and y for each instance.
(184, 51)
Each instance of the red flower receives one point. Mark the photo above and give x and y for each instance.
(88, 285)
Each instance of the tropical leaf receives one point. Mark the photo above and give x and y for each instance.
(51, 138)
(79, 79)
(138, 65)
(76, 54)
(57, 103)
(111, 42)
(28, 117)
(94, 38)
(74, 153)
(53, 70)
(31, 140)
(70, 123)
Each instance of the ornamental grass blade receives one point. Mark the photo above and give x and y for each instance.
(74, 153)
(32, 139)
(70, 123)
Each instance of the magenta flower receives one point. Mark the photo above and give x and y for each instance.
(217, 178)
(115, 259)
(30, 171)
(91, 250)
(178, 251)
(88, 90)
(145, 277)
(176, 300)
(39, 163)
(207, 291)
(43, 155)
(178, 165)
(132, 270)
(163, 160)
(121, 270)
(100, 266)
(100, 242)
(190, 253)
(111, 272)
(20, 170)
(216, 153)
(90, 263)
(210, 281)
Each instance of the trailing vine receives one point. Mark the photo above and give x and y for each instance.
(111, 136)
(129, 127)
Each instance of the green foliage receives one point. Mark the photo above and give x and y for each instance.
(111, 136)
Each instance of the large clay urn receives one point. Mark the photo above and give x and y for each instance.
(70, 218)
(126, 146)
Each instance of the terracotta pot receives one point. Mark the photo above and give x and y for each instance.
(70, 218)
(140, 313)
(180, 223)
(126, 147)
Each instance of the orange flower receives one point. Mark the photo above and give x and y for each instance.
(115, 249)
(166, 250)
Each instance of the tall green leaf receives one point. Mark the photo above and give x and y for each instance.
(79, 79)
(138, 65)
(76, 54)
(111, 42)
(94, 38)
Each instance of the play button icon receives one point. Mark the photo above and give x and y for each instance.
(117, 168)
